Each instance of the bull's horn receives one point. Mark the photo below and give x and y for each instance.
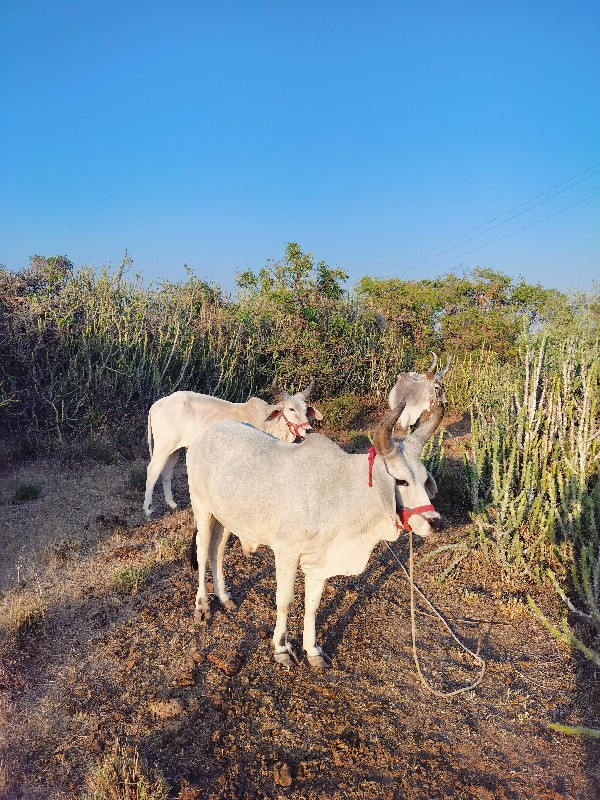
(382, 435)
(307, 392)
(442, 372)
(278, 394)
(431, 370)
(426, 430)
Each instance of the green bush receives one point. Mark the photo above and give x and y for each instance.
(136, 480)
(339, 413)
(27, 491)
(131, 579)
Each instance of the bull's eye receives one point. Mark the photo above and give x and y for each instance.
(402, 483)
(291, 409)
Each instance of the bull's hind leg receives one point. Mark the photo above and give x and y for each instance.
(160, 457)
(285, 572)
(167, 475)
(218, 542)
(204, 522)
(313, 590)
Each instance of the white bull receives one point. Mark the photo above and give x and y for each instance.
(176, 420)
(420, 390)
(313, 504)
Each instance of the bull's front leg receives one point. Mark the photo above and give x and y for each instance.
(313, 590)
(204, 522)
(285, 573)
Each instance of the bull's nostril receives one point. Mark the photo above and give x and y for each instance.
(437, 523)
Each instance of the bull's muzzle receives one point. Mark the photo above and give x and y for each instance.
(437, 523)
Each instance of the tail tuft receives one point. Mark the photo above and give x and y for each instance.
(150, 435)
(193, 552)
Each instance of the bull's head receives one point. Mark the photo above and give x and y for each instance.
(294, 410)
(415, 486)
(438, 376)
(420, 390)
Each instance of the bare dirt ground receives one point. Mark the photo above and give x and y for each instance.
(99, 644)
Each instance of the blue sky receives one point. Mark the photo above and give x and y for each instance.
(211, 133)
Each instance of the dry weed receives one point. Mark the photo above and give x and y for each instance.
(170, 549)
(122, 775)
(21, 611)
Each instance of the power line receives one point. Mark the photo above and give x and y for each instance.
(499, 216)
(520, 213)
(512, 233)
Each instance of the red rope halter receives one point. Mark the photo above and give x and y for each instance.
(295, 427)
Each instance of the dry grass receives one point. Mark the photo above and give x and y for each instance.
(123, 775)
(21, 611)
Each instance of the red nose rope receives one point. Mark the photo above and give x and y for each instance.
(402, 516)
(295, 427)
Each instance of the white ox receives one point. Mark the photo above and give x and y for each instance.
(420, 390)
(312, 504)
(176, 420)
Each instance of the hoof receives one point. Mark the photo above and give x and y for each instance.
(173, 506)
(148, 512)
(230, 604)
(321, 661)
(201, 615)
(287, 658)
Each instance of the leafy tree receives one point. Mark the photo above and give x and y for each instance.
(46, 274)
(485, 308)
(294, 284)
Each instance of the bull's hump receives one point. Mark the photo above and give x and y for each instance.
(316, 442)
(235, 430)
(255, 403)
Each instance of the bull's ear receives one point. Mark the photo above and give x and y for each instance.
(313, 413)
(273, 412)
(430, 486)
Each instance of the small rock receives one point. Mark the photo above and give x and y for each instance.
(197, 656)
(225, 658)
(282, 775)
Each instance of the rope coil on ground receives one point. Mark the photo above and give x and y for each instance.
(413, 587)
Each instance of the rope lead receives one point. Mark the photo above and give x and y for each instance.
(410, 576)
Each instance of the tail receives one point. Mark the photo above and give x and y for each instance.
(149, 436)
(193, 552)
